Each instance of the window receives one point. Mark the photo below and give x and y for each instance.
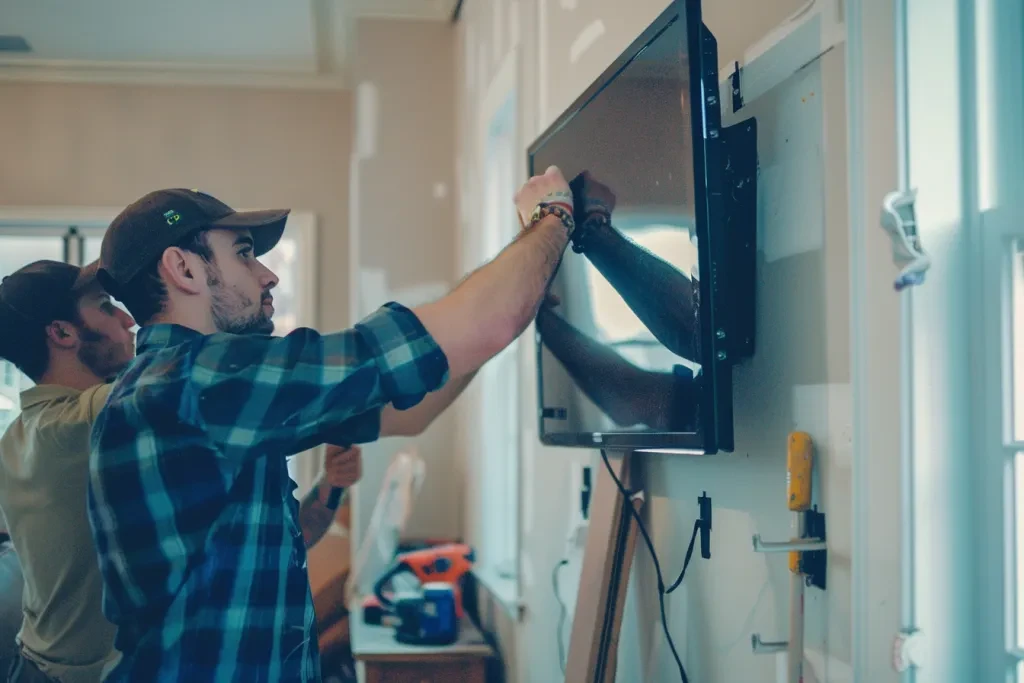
(491, 409)
(498, 545)
(997, 333)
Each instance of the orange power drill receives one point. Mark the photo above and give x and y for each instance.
(440, 564)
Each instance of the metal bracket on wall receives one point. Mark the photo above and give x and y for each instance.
(813, 548)
(766, 647)
(737, 94)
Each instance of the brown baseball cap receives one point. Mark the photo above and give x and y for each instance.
(35, 296)
(161, 219)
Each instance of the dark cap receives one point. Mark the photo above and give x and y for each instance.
(38, 294)
(140, 234)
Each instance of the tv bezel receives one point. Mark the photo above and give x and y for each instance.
(715, 428)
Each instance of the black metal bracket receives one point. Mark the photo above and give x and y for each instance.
(705, 525)
(737, 94)
(739, 146)
(814, 563)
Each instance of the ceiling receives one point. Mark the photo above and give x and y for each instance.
(302, 43)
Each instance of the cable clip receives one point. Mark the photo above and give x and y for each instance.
(900, 221)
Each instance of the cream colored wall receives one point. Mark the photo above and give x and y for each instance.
(799, 379)
(102, 145)
(403, 220)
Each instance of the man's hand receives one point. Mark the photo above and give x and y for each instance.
(550, 188)
(343, 466)
(598, 198)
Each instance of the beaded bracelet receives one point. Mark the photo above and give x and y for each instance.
(543, 210)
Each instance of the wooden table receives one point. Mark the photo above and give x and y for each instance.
(382, 659)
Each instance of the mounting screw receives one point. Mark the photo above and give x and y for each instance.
(720, 334)
(720, 355)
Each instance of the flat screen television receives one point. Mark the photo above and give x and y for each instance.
(652, 308)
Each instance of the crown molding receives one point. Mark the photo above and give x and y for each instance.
(147, 73)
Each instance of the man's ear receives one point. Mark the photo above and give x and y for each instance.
(183, 270)
(62, 334)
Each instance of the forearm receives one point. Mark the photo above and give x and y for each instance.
(626, 393)
(315, 517)
(493, 306)
(660, 296)
(415, 420)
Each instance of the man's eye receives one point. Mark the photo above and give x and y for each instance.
(245, 253)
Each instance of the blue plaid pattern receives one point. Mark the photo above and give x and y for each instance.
(190, 502)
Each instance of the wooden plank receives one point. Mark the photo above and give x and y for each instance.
(607, 561)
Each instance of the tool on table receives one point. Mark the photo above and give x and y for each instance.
(412, 594)
(806, 551)
(429, 618)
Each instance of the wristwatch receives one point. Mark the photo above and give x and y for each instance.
(543, 210)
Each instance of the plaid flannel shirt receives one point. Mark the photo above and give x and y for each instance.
(190, 501)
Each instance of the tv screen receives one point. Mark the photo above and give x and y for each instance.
(627, 344)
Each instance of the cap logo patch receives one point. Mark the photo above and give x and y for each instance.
(172, 217)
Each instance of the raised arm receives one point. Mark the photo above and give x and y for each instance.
(661, 297)
(493, 306)
(264, 395)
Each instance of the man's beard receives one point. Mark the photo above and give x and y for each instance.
(228, 307)
(97, 353)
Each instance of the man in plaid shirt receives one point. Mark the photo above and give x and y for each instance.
(190, 501)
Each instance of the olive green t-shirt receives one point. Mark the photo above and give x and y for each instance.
(44, 474)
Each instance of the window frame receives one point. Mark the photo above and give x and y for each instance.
(996, 75)
(998, 501)
(502, 99)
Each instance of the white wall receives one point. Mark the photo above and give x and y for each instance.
(799, 378)
(403, 215)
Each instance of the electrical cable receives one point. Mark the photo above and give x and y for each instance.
(657, 565)
(561, 616)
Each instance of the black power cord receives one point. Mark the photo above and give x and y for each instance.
(657, 565)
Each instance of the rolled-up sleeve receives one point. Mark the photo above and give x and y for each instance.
(259, 394)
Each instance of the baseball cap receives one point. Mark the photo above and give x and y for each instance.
(36, 295)
(161, 219)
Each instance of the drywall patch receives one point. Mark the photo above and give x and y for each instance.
(791, 196)
(440, 190)
(367, 112)
(585, 40)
